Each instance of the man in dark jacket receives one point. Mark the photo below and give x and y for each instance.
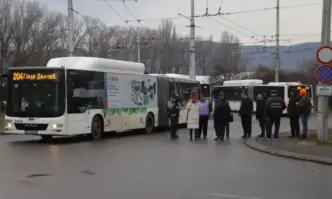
(273, 111)
(294, 115)
(245, 113)
(221, 115)
(260, 108)
(174, 106)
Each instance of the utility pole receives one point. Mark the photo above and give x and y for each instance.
(70, 24)
(277, 67)
(2, 60)
(192, 70)
(2, 53)
(323, 101)
(138, 46)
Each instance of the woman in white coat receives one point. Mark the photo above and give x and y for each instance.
(193, 107)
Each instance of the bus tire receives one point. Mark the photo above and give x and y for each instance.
(97, 127)
(149, 124)
(46, 137)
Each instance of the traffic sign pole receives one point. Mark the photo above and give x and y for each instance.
(323, 101)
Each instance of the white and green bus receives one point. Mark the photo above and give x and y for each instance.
(86, 95)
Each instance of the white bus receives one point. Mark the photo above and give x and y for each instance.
(287, 87)
(232, 90)
(86, 95)
(203, 80)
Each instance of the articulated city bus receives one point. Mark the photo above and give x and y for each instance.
(86, 95)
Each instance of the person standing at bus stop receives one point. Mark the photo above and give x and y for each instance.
(304, 107)
(245, 112)
(204, 115)
(293, 114)
(221, 117)
(260, 110)
(273, 111)
(193, 108)
(174, 106)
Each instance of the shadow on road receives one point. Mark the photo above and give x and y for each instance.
(85, 138)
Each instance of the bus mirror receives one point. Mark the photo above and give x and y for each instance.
(3, 106)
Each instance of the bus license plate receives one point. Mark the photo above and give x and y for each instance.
(31, 132)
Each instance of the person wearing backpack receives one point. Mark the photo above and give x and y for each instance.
(304, 108)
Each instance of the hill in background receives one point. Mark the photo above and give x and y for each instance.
(290, 56)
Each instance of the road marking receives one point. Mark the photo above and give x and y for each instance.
(232, 196)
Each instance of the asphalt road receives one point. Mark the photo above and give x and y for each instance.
(153, 167)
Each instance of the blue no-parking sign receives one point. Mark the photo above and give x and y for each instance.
(324, 74)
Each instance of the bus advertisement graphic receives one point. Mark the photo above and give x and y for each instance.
(126, 92)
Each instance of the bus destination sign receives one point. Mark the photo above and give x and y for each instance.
(21, 76)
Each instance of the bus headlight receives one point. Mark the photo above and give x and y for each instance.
(8, 126)
(55, 126)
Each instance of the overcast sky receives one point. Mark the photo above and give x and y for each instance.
(300, 24)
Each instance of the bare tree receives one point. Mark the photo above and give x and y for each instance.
(31, 35)
(79, 35)
(228, 61)
(165, 34)
(6, 31)
(28, 19)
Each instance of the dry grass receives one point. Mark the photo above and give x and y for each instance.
(2, 121)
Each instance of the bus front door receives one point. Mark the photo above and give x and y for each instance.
(77, 122)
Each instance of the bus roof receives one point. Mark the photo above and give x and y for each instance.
(202, 79)
(245, 82)
(97, 64)
(285, 84)
(184, 78)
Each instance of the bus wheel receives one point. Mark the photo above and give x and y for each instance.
(46, 137)
(149, 124)
(96, 128)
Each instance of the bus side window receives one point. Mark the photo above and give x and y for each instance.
(96, 90)
(187, 88)
(77, 96)
(232, 93)
(171, 88)
(183, 93)
(72, 79)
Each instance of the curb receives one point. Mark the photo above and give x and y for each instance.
(253, 144)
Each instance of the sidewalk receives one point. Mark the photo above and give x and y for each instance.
(307, 150)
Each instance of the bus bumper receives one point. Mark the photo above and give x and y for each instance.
(36, 126)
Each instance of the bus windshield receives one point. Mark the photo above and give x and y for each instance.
(36, 94)
(296, 90)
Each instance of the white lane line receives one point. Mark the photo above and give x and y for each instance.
(232, 196)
